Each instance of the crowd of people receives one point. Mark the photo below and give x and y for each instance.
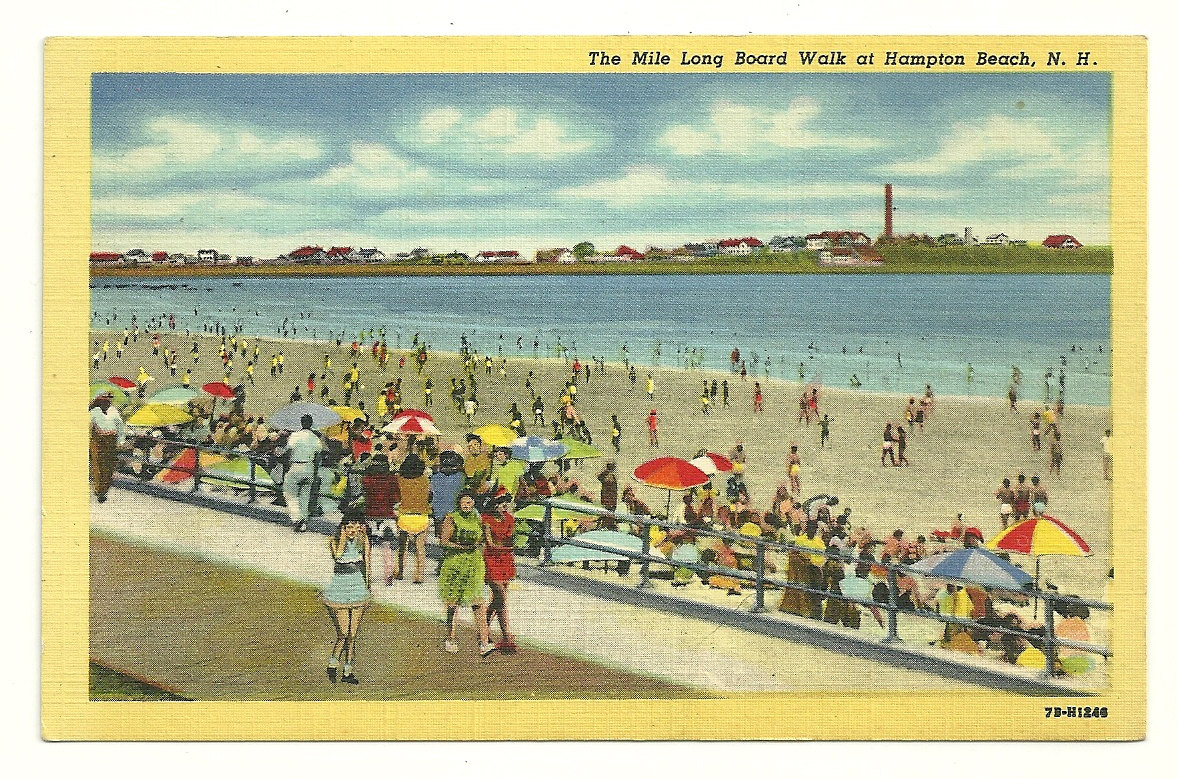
(396, 491)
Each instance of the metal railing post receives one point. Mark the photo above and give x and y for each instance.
(546, 537)
(759, 603)
(893, 594)
(1048, 637)
(644, 581)
(196, 469)
(253, 480)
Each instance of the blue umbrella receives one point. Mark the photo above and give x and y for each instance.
(174, 396)
(975, 565)
(567, 553)
(290, 417)
(535, 449)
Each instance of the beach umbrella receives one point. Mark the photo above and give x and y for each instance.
(496, 435)
(974, 565)
(534, 449)
(411, 425)
(1040, 536)
(624, 542)
(184, 464)
(535, 511)
(710, 462)
(412, 412)
(670, 474)
(238, 467)
(290, 417)
(348, 413)
(117, 396)
(122, 382)
(219, 389)
(174, 396)
(158, 415)
(578, 450)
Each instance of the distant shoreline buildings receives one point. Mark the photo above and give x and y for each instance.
(832, 247)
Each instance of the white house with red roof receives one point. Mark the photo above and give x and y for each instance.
(106, 258)
(739, 247)
(338, 254)
(624, 252)
(1061, 242)
(829, 238)
(308, 254)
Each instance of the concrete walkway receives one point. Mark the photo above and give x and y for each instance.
(678, 649)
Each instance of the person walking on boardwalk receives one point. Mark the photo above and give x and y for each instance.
(107, 434)
(304, 447)
(499, 561)
(461, 580)
(349, 592)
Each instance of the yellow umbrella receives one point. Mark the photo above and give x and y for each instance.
(158, 415)
(496, 435)
(348, 413)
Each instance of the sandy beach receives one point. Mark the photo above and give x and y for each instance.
(968, 445)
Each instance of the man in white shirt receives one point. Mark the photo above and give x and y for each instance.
(107, 434)
(303, 448)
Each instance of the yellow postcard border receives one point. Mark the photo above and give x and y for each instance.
(67, 714)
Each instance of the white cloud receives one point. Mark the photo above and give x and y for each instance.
(180, 206)
(182, 145)
(1012, 148)
(374, 167)
(499, 131)
(735, 128)
(647, 183)
(434, 123)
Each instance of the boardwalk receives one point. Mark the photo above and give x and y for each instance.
(265, 576)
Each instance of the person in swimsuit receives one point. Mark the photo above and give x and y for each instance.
(499, 560)
(889, 438)
(1005, 497)
(1022, 499)
(795, 469)
(348, 593)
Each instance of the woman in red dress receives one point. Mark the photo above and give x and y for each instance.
(499, 557)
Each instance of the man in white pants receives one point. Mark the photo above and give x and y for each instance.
(303, 447)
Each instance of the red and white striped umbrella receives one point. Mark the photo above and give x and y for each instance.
(710, 462)
(412, 412)
(411, 425)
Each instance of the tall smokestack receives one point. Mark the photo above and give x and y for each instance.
(888, 212)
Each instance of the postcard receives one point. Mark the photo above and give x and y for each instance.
(594, 388)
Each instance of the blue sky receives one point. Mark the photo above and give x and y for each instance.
(259, 164)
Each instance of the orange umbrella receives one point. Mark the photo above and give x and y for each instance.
(670, 473)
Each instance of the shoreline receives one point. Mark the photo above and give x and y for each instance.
(738, 267)
(716, 373)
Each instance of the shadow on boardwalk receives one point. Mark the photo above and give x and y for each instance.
(210, 632)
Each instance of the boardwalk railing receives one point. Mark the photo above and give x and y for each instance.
(760, 579)
(546, 540)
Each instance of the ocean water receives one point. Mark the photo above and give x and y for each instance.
(898, 331)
